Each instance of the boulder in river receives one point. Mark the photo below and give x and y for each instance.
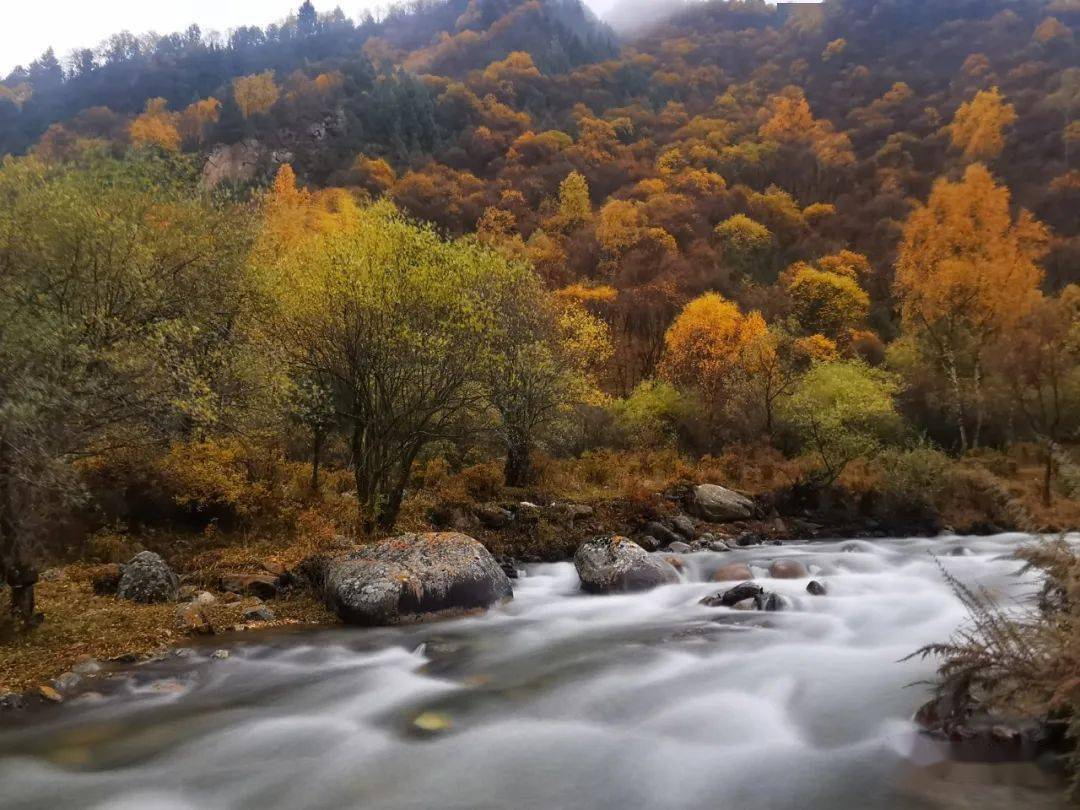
(769, 601)
(647, 542)
(787, 569)
(749, 539)
(815, 588)
(618, 565)
(147, 578)
(732, 572)
(12, 701)
(719, 504)
(408, 578)
(732, 596)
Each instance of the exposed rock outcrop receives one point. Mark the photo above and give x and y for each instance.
(232, 163)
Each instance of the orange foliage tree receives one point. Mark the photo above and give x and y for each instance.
(156, 127)
(709, 342)
(197, 118)
(978, 129)
(967, 272)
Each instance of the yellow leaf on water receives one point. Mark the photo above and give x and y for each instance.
(432, 721)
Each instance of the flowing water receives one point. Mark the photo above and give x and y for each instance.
(555, 700)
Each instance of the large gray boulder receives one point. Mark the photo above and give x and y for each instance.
(618, 565)
(410, 577)
(147, 578)
(718, 504)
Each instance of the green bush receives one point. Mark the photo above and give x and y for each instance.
(841, 411)
(916, 478)
(652, 415)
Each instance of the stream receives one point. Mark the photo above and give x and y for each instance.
(555, 700)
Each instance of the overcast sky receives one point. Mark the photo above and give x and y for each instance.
(31, 26)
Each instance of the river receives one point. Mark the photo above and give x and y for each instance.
(555, 700)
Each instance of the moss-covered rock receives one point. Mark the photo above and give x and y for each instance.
(410, 577)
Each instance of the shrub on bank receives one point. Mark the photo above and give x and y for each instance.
(1020, 664)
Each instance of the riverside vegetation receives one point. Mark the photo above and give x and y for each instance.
(483, 266)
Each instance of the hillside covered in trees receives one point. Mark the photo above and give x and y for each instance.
(263, 292)
(721, 151)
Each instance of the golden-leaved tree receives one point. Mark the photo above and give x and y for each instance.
(255, 94)
(967, 272)
(978, 129)
(197, 118)
(828, 300)
(156, 126)
(397, 322)
(709, 342)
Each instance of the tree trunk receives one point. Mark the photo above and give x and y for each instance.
(388, 515)
(316, 459)
(977, 437)
(18, 570)
(517, 471)
(366, 496)
(1048, 475)
(958, 402)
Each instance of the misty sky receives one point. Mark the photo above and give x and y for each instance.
(30, 26)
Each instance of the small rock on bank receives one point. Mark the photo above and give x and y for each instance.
(409, 577)
(719, 504)
(618, 565)
(147, 578)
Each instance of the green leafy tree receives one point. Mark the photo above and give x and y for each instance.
(744, 243)
(546, 354)
(121, 295)
(400, 322)
(839, 412)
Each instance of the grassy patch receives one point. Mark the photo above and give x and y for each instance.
(79, 624)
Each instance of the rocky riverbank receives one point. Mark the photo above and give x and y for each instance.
(658, 664)
(144, 606)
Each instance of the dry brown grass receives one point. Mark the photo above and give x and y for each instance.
(79, 624)
(1023, 664)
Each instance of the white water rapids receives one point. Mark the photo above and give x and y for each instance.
(555, 700)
